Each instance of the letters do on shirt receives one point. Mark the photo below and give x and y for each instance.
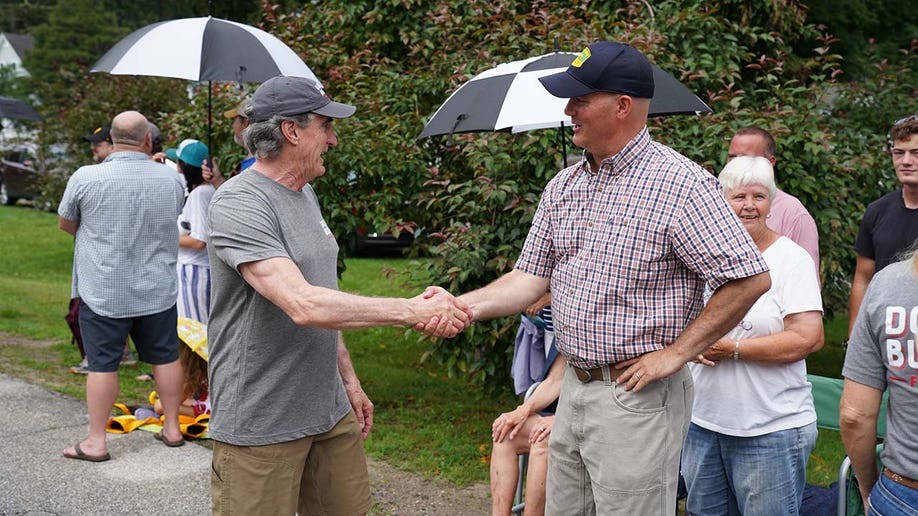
(901, 327)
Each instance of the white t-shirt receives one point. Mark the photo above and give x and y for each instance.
(194, 214)
(746, 399)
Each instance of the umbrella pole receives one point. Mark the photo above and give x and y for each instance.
(563, 145)
(209, 94)
(210, 144)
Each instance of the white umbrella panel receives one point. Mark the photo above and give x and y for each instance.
(510, 97)
(203, 49)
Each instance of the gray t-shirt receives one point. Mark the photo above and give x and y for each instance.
(882, 354)
(271, 381)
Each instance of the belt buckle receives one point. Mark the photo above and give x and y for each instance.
(583, 375)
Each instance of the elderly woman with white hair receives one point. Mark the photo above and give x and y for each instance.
(753, 422)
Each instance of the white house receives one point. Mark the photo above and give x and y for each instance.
(12, 48)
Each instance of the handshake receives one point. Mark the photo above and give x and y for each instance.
(440, 314)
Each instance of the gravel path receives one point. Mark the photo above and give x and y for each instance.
(397, 492)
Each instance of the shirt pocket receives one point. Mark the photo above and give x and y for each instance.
(639, 249)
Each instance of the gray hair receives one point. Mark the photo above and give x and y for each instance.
(265, 139)
(748, 170)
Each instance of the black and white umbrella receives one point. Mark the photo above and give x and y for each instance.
(15, 108)
(509, 97)
(203, 49)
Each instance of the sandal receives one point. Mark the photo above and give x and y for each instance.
(89, 458)
(172, 444)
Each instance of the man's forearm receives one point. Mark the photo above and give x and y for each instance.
(70, 226)
(345, 366)
(724, 310)
(858, 289)
(508, 295)
(360, 402)
(280, 281)
(859, 412)
(861, 447)
(863, 273)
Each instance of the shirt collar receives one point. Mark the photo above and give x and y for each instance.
(619, 161)
(125, 156)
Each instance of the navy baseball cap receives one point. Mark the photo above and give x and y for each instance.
(101, 134)
(291, 96)
(604, 66)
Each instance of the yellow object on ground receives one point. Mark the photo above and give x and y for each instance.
(191, 427)
(194, 335)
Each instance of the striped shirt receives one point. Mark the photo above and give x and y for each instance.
(127, 238)
(629, 250)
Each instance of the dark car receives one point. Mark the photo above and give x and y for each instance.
(18, 177)
(371, 243)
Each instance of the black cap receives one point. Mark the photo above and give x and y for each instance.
(156, 138)
(291, 96)
(604, 66)
(100, 134)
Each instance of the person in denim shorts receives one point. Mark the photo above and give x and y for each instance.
(122, 212)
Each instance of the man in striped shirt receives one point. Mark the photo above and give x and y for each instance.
(626, 239)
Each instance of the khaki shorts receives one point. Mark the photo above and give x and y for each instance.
(321, 474)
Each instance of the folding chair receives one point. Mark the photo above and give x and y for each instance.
(827, 398)
(518, 503)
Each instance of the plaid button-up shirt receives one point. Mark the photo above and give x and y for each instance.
(629, 249)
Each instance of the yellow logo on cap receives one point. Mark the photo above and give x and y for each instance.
(581, 58)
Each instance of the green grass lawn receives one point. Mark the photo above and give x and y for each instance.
(424, 422)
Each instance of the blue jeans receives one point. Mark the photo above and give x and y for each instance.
(763, 475)
(888, 498)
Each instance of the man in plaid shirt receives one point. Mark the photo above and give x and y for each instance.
(626, 239)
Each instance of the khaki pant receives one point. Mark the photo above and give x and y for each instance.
(613, 451)
(322, 474)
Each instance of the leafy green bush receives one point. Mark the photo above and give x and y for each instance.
(475, 195)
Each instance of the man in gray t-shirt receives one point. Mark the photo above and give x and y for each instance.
(288, 411)
(882, 355)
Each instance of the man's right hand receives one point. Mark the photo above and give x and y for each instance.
(445, 315)
(534, 309)
(212, 175)
(508, 424)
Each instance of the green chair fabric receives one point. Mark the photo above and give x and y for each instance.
(827, 394)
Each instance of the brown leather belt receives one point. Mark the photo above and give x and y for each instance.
(595, 374)
(899, 479)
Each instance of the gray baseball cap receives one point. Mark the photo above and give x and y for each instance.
(291, 96)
